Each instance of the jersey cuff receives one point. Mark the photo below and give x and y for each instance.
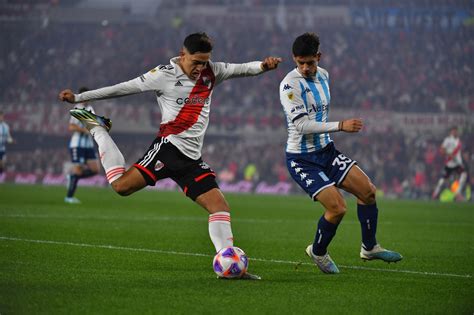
(77, 98)
(299, 116)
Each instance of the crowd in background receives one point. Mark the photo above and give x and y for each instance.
(400, 70)
(399, 166)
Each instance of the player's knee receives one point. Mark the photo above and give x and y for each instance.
(369, 194)
(337, 209)
(217, 205)
(122, 188)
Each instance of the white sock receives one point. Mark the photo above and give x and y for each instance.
(220, 230)
(438, 187)
(462, 181)
(110, 156)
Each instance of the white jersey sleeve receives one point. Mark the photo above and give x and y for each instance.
(224, 71)
(290, 98)
(150, 81)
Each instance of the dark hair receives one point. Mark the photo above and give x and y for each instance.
(83, 89)
(198, 42)
(306, 45)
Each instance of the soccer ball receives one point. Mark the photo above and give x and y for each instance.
(230, 262)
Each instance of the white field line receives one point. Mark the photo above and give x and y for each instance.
(203, 218)
(168, 252)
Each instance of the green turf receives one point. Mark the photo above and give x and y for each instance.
(77, 273)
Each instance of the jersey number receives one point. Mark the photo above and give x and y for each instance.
(342, 161)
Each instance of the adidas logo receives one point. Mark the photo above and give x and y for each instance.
(178, 83)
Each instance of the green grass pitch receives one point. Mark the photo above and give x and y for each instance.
(150, 253)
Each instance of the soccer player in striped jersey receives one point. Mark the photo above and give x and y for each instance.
(314, 162)
(183, 91)
(5, 137)
(451, 149)
(82, 151)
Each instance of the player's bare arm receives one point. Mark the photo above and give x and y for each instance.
(270, 63)
(351, 125)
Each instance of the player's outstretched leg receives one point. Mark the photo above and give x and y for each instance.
(110, 156)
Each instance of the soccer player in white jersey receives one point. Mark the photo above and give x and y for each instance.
(451, 149)
(5, 137)
(314, 162)
(183, 91)
(83, 155)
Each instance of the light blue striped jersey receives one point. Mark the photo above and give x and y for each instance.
(300, 96)
(79, 139)
(4, 135)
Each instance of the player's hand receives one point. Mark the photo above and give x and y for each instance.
(351, 125)
(270, 63)
(66, 96)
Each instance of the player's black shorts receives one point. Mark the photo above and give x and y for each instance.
(163, 160)
(448, 171)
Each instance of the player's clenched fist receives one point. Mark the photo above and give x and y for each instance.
(351, 125)
(66, 96)
(270, 63)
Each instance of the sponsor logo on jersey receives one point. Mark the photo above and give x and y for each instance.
(297, 108)
(159, 165)
(178, 83)
(319, 108)
(193, 100)
(306, 90)
(287, 87)
(290, 96)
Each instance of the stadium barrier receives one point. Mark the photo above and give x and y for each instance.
(262, 187)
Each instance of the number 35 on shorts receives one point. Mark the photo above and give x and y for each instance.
(342, 161)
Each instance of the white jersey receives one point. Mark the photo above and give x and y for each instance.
(452, 147)
(301, 96)
(81, 139)
(184, 103)
(5, 136)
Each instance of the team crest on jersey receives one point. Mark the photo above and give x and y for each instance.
(204, 166)
(290, 96)
(159, 165)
